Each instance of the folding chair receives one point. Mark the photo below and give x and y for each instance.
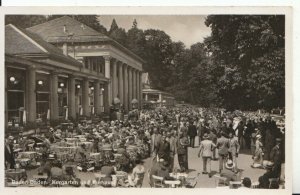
(172, 184)
(158, 181)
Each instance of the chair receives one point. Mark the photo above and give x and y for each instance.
(235, 184)
(158, 181)
(220, 180)
(255, 185)
(172, 184)
(273, 181)
(140, 179)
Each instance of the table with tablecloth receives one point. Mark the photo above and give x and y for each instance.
(26, 158)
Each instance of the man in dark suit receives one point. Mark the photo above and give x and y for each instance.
(9, 153)
(155, 140)
(223, 146)
(164, 149)
(192, 132)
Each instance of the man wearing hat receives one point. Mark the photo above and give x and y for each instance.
(164, 149)
(276, 157)
(9, 153)
(233, 149)
(206, 151)
(223, 146)
(192, 132)
(155, 140)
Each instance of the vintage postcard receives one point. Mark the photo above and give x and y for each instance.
(96, 98)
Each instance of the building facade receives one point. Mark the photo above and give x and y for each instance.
(63, 69)
(154, 97)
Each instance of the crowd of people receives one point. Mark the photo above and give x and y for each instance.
(163, 134)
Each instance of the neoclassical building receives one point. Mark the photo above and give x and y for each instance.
(65, 69)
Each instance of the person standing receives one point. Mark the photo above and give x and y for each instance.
(9, 153)
(223, 146)
(163, 151)
(192, 132)
(155, 140)
(182, 151)
(173, 148)
(206, 151)
(258, 156)
(233, 150)
(276, 157)
(213, 137)
(138, 173)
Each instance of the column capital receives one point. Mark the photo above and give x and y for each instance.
(33, 67)
(106, 58)
(96, 81)
(55, 72)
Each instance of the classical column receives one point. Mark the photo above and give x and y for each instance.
(71, 97)
(126, 93)
(31, 94)
(121, 88)
(54, 96)
(134, 84)
(141, 89)
(115, 80)
(130, 87)
(85, 97)
(101, 94)
(109, 85)
(106, 97)
(97, 97)
(138, 87)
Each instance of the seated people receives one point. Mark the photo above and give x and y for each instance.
(108, 171)
(138, 173)
(246, 183)
(264, 179)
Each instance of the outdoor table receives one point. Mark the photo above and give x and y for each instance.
(16, 174)
(182, 177)
(178, 175)
(24, 162)
(18, 150)
(71, 139)
(95, 156)
(30, 155)
(61, 149)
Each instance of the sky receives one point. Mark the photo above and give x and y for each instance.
(188, 29)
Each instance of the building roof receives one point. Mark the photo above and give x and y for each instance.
(156, 91)
(21, 42)
(67, 29)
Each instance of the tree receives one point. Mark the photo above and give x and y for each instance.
(136, 40)
(24, 21)
(159, 55)
(118, 34)
(248, 51)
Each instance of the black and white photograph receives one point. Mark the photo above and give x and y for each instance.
(145, 101)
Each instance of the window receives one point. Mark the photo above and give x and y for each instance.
(62, 91)
(42, 97)
(15, 95)
(86, 62)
